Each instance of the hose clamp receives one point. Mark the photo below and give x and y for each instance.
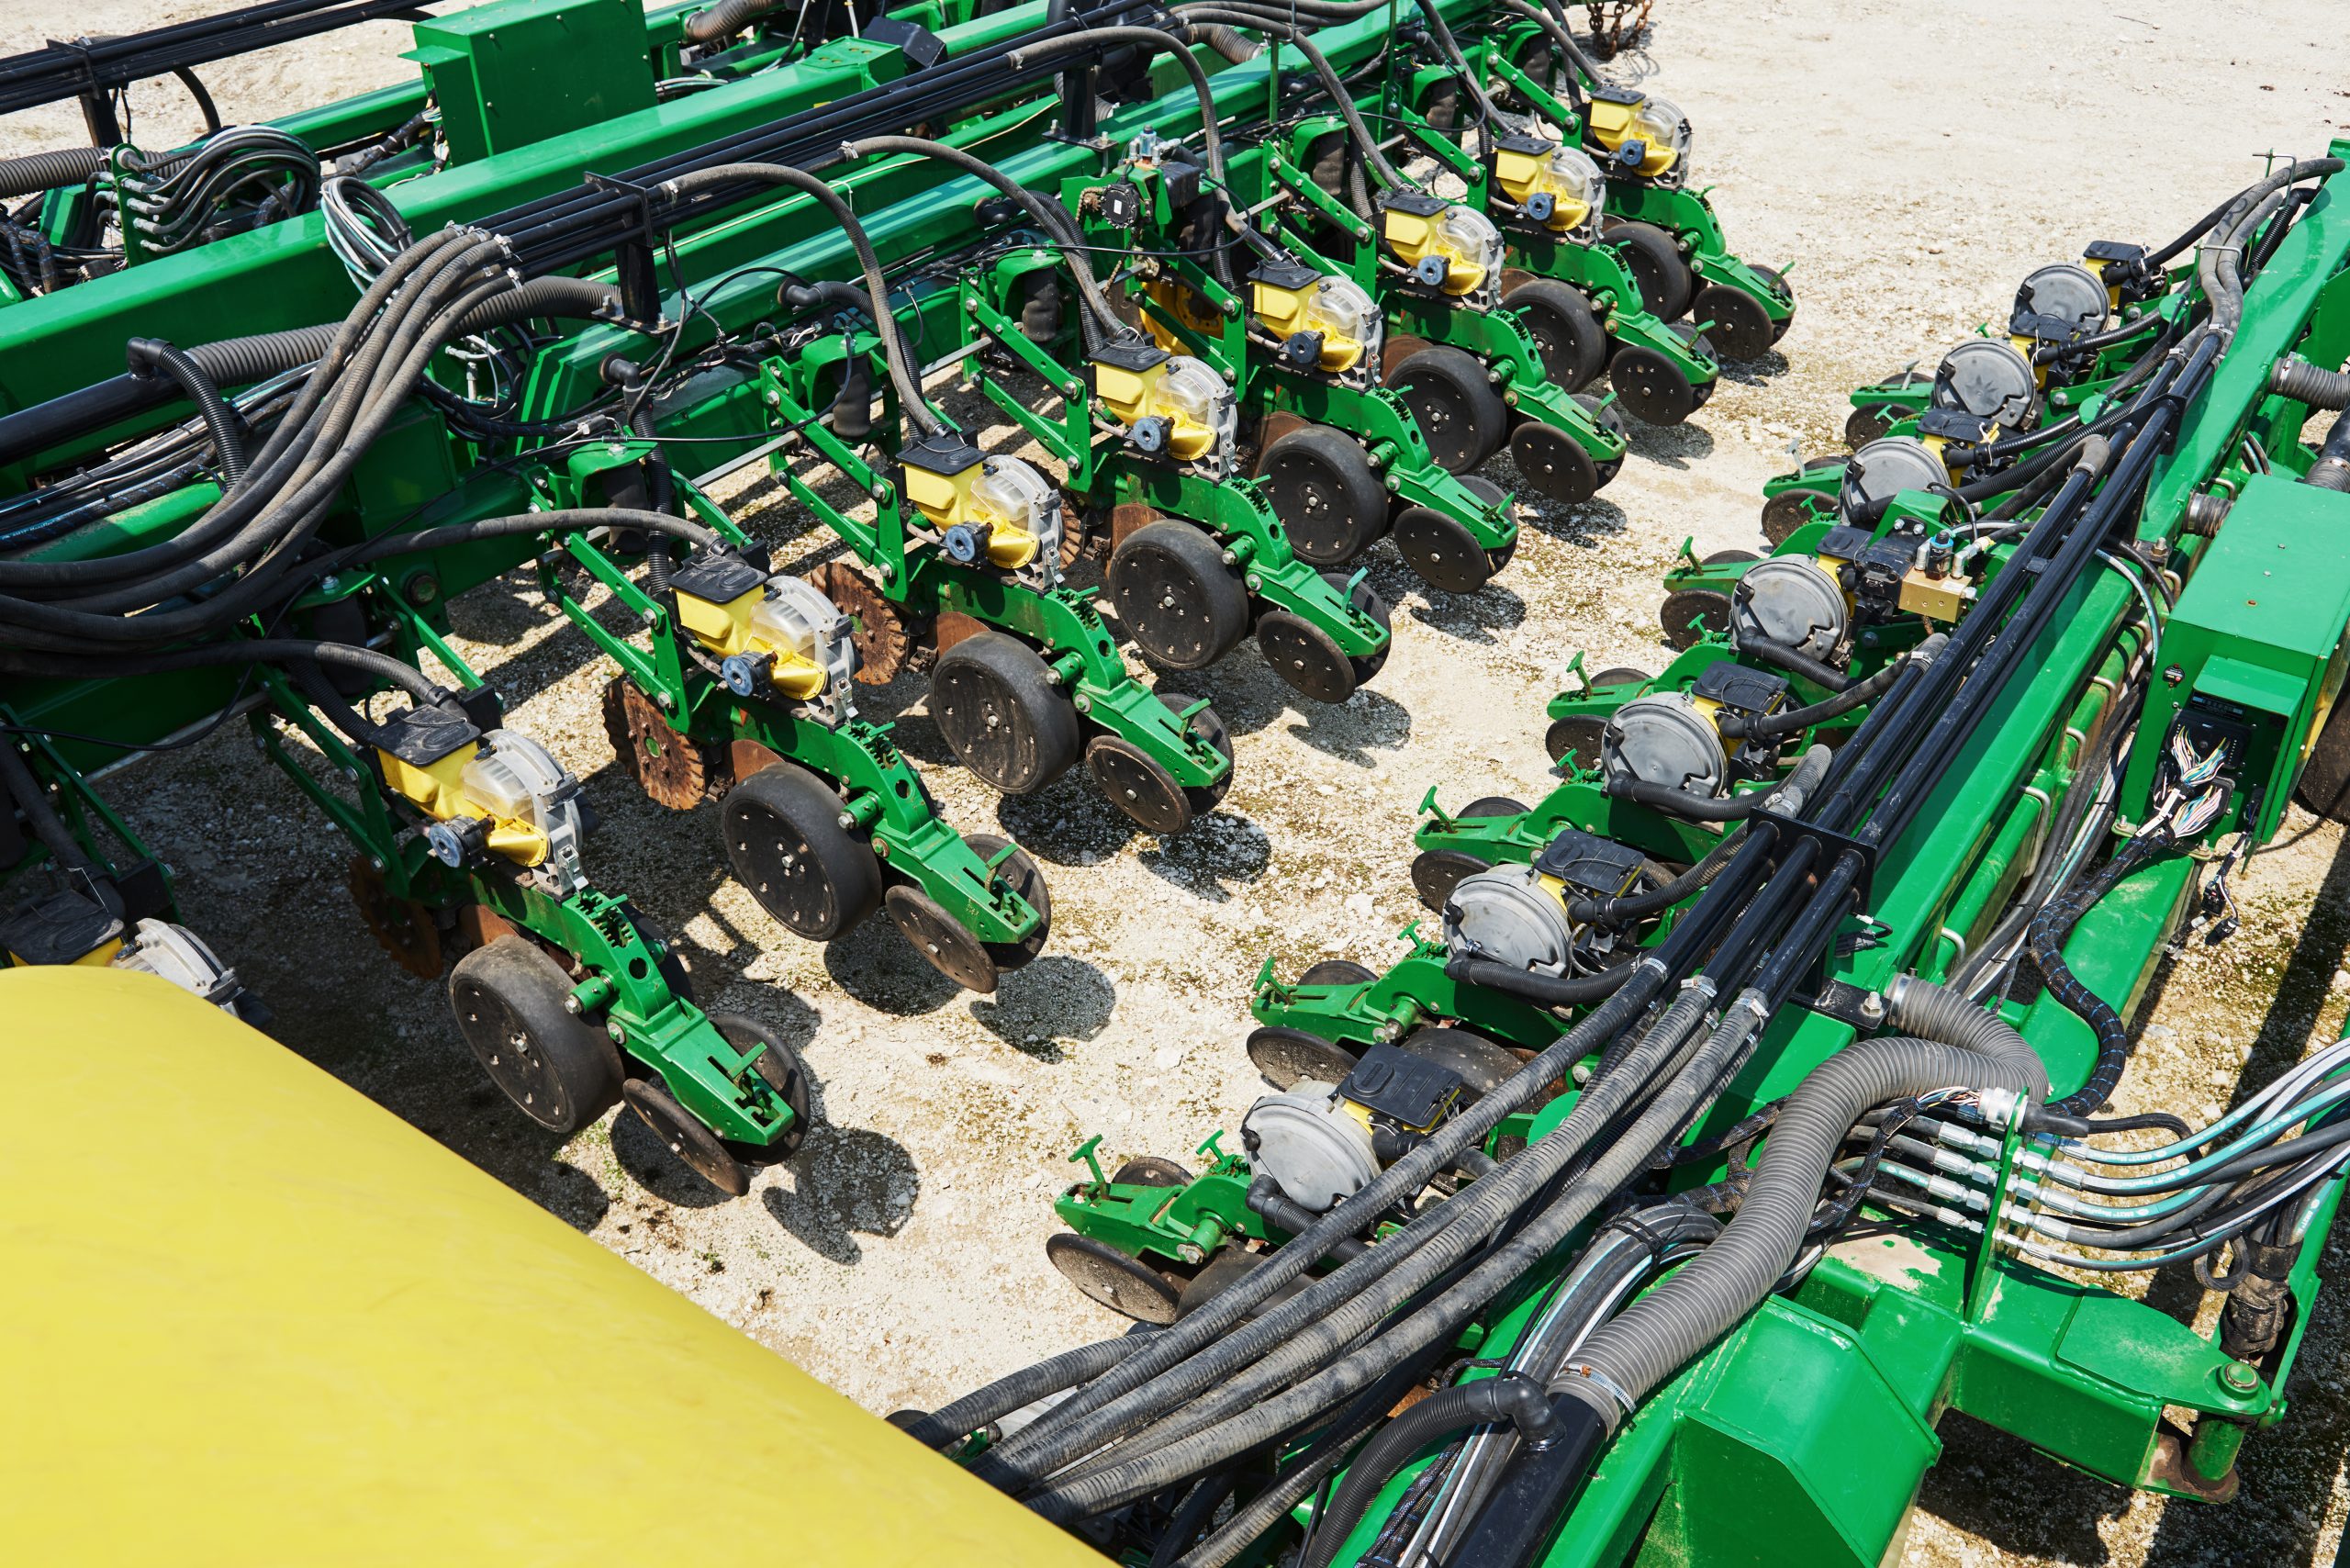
(1605, 1385)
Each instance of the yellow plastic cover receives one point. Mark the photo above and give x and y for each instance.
(253, 1319)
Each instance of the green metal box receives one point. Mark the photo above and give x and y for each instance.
(2253, 652)
(517, 71)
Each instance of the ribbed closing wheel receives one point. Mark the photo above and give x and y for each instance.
(1483, 1065)
(667, 764)
(686, 1137)
(1650, 388)
(1122, 1284)
(1021, 874)
(1653, 258)
(1736, 321)
(781, 1068)
(1325, 493)
(1176, 596)
(1565, 329)
(945, 943)
(1553, 462)
(559, 1070)
(1790, 509)
(994, 700)
(1287, 1057)
(1441, 551)
(1459, 411)
(785, 843)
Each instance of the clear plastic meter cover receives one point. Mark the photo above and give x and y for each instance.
(1342, 310)
(1661, 125)
(1471, 238)
(1190, 393)
(1013, 494)
(1572, 176)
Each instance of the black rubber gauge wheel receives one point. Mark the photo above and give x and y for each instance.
(1460, 412)
(1122, 1284)
(1650, 388)
(1441, 550)
(1553, 462)
(785, 842)
(1653, 258)
(1176, 596)
(686, 1137)
(782, 1070)
(1565, 329)
(1152, 1170)
(1736, 321)
(943, 942)
(1020, 872)
(509, 997)
(1323, 490)
(994, 700)
(1288, 1056)
(1482, 1064)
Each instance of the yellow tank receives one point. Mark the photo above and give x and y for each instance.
(253, 1319)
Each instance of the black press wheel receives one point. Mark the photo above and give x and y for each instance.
(1650, 388)
(1176, 596)
(1122, 1284)
(785, 842)
(1305, 657)
(1576, 738)
(781, 1069)
(1336, 971)
(1152, 1170)
(1736, 321)
(509, 997)
(1436, 872)
(1021, 873)
(1457, 410)
(1441, 551)
(1367, 602)
(1778, 285)
(994, 700)
(1483, 1065)
(1137, 786)
(1288, 1056)
(1565, 329)
(1325, 493)
(686, 1137)
(943, 942)
(1691, 614)
(1553, 462)
(1653, 258)
(1868, 423)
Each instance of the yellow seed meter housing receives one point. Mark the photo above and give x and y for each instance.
(1449, 249)
(498, 794)
(1646, 134)
(1171, 405)
(1323, 322)
(1554, 187)
(982, 510)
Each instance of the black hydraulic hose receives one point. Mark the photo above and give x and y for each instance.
(726, 18)
(1195, 1515)
(1273, 23)
(38, 171)
(885, 321)
(232, 361)
(237, 650)
(1795, 662)
(1542, 991)
(1285, 1213)
(952, 1423)
(1449, 50)
(18, 782)
(1080, 1426)
(154, 359)
(1788, 797)
(1227, 42)
(1579, 65)
(1682, 803)
(2045, 942)
(1952, 1044)
(1770, 726)
(1511, 1396)
(1100, 321)
(1211, 137)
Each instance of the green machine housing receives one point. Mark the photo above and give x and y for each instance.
(520, 71)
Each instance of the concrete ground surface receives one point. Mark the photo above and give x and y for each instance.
(1912, 162)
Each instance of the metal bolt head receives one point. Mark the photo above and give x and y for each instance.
(571, 1005)
(619, 1034)
(1190, 1252)
(2238, 1378)
(2172, 675)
